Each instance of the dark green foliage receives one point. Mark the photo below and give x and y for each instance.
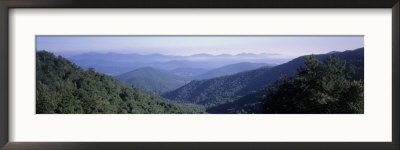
(238, 93)
(153, 80)
(199, 109)
(214, 91)
(248, 104)
(319, 87)
(65, 88)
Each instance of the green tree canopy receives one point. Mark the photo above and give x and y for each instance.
(318, 87)
(64, 88)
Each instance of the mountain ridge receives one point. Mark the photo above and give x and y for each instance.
(153, 80)
(65, 88)
(221, 90)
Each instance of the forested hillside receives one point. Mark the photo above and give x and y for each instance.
(64, 88)
(319, 87)
(241, 92)
(153, 80)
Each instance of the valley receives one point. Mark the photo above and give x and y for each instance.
(232, 88)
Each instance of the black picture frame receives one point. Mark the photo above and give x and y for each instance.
(5, 5)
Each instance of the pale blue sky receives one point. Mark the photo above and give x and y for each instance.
(285, 46)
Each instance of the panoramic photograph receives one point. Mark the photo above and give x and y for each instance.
(199, 74)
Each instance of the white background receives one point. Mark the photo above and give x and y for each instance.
(374, 125)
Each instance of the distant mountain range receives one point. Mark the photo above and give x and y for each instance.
(153, 80)
(115, 64)
(239, 93)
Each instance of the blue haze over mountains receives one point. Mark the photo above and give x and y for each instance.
(188, 66)
(184, 74)
(203, 83)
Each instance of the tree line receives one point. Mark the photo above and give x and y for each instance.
(65, 88)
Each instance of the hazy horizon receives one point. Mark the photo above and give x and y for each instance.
(273, 46)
